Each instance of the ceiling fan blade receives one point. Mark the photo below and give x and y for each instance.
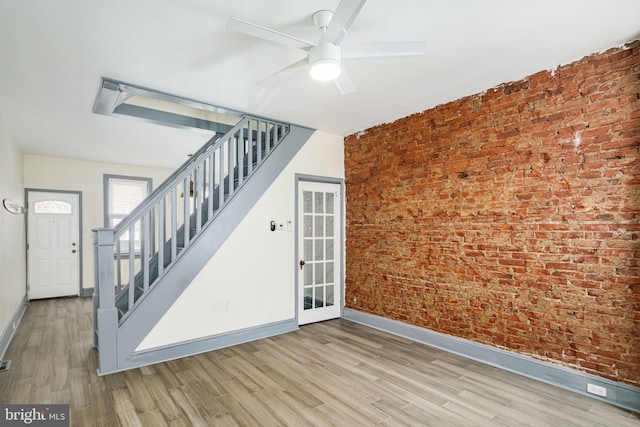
(282, 74)
(268, 34)
(343, 17)
(367, 50)
(344, 83)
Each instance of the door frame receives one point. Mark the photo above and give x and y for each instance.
(81, 290)
(341, 227)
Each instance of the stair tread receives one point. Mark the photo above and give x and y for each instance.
(246, 162)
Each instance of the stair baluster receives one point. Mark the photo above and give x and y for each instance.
(147, 242)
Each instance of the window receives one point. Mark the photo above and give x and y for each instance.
(121, 195)
(52, 207)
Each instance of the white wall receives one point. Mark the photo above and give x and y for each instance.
(54, 173)
(12, 231)
(254, 271)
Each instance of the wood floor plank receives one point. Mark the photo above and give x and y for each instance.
(42, 394)
(142, 400)
(161, 396)
(102, 404)
(300, 405)
(350, 379)
(284, 411)
(427, 397)
(402, 415)
(191, 411)
(252, 405)
(84, 417)
(254, 371)
(167, 375)
(79, 388)
(334, 373)
(153, 418)
(124, 407)
(235, 410)
(353, 410)
(20, 391)
(335, 415)
(180, 422)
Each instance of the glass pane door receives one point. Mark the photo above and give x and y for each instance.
(319, 278)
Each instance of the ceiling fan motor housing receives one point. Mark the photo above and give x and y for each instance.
(325, 59)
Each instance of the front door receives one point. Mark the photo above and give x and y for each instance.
(53, 250)
(319, 278)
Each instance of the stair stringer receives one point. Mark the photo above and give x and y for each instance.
(155, 303)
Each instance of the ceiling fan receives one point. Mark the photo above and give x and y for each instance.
(324, 58)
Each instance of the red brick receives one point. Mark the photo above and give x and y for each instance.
(483, 219)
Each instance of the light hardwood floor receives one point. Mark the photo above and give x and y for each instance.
(333, 373)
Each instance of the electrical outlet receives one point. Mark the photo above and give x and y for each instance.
(597, 390)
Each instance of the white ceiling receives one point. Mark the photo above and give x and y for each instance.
(53, 54)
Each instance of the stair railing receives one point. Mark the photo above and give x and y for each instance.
(134, 255)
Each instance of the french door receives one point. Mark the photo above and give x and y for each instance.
(319, 249)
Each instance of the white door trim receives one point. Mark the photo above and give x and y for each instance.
(302, 178)
(81, 290)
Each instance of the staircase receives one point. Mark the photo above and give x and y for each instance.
(151, 256)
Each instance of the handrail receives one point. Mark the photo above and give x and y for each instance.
(175, 177)
(178, 210)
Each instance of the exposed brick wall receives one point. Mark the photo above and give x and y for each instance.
(510, 218)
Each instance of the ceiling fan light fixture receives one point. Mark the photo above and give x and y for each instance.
(325, 70)
(325, 62)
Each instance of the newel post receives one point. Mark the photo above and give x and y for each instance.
(104, 302)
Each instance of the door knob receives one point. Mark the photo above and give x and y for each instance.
(301, 264)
